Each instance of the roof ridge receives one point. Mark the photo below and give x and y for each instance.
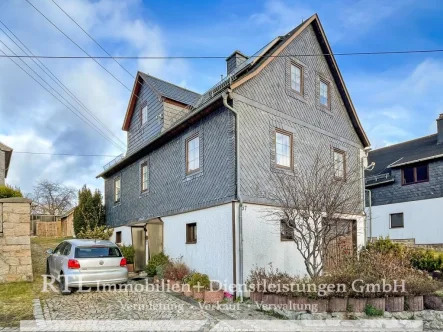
(178, 86)
(408, 141)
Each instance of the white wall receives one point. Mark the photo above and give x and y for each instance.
(126, 235)
(262, 244)
(423, 220)
(212, 254)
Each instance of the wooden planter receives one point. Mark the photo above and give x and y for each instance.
(256, 297)
(414, 303)
(432, 302)
(377, 303)
(213, 296)
(337, 304)
(187, 290)
(357, 304)
(269, 298)
(198, 295)
(175, 286)
(395, 304)
(130, 267)
(318, 305)
(298, 303)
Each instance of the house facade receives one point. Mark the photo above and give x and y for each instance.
(5, 159)
(406, 190)
(193, 182)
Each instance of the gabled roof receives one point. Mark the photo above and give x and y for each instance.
(163, 89)
(414, 151)
(8, 154)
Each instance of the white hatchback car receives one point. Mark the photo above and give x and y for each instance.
(90, 263)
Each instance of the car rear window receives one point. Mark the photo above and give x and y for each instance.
(97, 252)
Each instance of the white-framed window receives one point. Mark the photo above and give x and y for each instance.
(324, 93)
(117, 189)
(144, 176)
(283, 149)
(297, 78)
(192, 154)
(339, 164)
(144, 114)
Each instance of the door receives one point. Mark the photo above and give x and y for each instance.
(155, 237)
(139, 245)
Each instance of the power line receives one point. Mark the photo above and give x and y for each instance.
(92, 38)
(51, 75)
(76, 114)
(134, 57)
(65, 154)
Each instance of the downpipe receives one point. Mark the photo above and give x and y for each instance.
(240, 199)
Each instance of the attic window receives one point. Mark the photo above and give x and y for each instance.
(324, 93)
(144, 114)
(297, 78)
(415, 174)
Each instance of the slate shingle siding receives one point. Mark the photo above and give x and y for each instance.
(170, 190)
(396, 193)
(265, 102)
(2, 167)
(138, 135)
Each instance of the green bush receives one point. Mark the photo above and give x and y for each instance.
(7, 192)
(128, 252)
(200, 280)
(156, 261)
(427, 260)
(97, 233)
(372, 311)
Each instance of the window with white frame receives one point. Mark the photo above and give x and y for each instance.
(296, 78)
(144, 114)
(324, 93)
(339, 164)
(192, 154)
(283, 149)
(144, 176)
(117, 190)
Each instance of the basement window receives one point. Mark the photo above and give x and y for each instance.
(396, 220)
(191, 233)
(415, 174)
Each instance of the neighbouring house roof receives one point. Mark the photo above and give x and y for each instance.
(8, 155)
(247, 70)
(414, 151)
(69, 212)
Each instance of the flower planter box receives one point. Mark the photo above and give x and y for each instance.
(298, 303)
(395, 304)
(337, 304)
(198, 295)
(357, 305)
(213, 296)
(414, 303)
(318, 305)
(175, 286)
(256, 297)
(130, 267)
(377, 303)
(432, 302)
(269, 298)
(187, 290)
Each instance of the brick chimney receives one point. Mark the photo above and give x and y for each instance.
(234, 60)
(440, 129)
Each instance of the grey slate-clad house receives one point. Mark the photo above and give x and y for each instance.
(406, 188)
(5, 160)
(191, 183)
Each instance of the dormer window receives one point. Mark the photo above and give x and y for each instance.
(415, 174)
(144, 114)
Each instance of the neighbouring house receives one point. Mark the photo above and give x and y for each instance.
(192, 181)
(406, 190)
(5, 160)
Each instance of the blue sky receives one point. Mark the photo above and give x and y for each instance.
(398, 97)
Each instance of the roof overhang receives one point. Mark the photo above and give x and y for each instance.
(438, 156)
(132, 101)
(166, 136)
(326, 49)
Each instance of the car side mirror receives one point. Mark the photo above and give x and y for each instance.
(49, 251)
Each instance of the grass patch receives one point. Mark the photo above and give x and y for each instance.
(16, 298)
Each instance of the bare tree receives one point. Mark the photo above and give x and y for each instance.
(52, 198)
(315, 205)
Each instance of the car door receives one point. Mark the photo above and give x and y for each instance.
(57, 258)
(51, 259)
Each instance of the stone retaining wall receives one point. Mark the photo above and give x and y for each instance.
(15, 240)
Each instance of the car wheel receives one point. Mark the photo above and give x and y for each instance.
(121, 286)
(62, 286)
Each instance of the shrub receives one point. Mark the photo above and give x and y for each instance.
(176, 270)
(155, 261)
(427, 260)
(98, 233)
(8, 191)
(199, 280)
(128, 252)
(261, 278)
(187, 278)
(371, 311)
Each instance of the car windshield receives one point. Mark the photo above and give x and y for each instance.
(97, 252)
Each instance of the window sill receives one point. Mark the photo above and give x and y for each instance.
(396, 227)
(408, 184)
(286, 240)
(193, 242)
